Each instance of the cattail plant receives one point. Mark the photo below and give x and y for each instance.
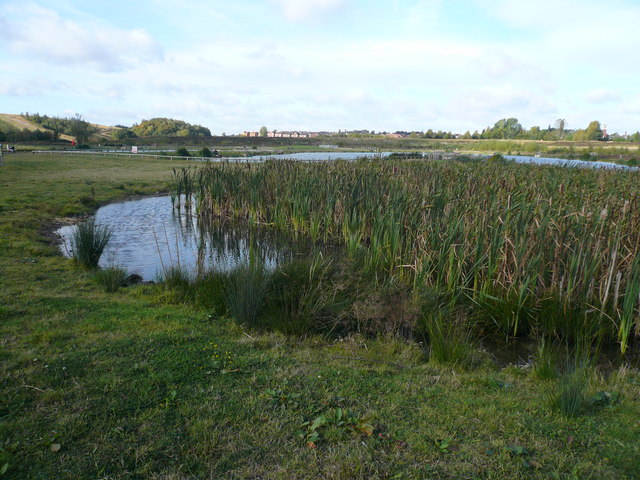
(534, 248)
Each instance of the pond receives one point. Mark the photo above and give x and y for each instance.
(149, 237)
(567, 163)
(330, 156)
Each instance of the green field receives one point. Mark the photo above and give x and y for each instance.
(137, 384)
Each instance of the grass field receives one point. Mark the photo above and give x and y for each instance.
(129, 385)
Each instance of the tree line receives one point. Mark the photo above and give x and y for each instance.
(511, 129)
(75, 126)
(9, 133)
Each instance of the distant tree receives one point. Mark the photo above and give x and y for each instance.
(467, 135)
(122, 133)
(205, 152)
(578, 136)
(263, 131)
(168, 127)
(183, 152)
(80, 129)
(560, 126)
(506, 128)
(535, 133)
(593, 131)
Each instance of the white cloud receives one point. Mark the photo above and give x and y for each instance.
(602, 96)
(493, 103)
(31, 87)
(304, 10)
(43, 34)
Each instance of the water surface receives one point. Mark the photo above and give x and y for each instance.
(149, 237)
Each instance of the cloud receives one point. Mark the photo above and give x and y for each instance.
(602, 96)
(498, 102)
(305, 10)
(43, 34)
(31, 87)
(424, 14)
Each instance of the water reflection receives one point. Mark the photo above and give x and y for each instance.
(148, 236)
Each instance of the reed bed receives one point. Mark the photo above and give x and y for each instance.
(535, 250)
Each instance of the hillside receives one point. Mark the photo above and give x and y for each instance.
(20, 122)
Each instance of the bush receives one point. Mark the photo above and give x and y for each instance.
(182, 152)
(112, 278)
(88, 242)
(205, 152)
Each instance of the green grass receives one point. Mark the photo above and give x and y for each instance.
(111, 278)
(571, 399)
(129, 386)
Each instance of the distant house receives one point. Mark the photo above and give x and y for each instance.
(296, 134)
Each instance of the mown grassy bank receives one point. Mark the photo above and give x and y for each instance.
(124, 385)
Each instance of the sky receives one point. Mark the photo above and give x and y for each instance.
(382, 65)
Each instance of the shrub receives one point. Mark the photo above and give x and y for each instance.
(88, 242)
(205, 152)
(182, 152)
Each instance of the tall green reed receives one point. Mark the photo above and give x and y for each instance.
(518, 240)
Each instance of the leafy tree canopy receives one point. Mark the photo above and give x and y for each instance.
(168, 127)
(505, 128)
